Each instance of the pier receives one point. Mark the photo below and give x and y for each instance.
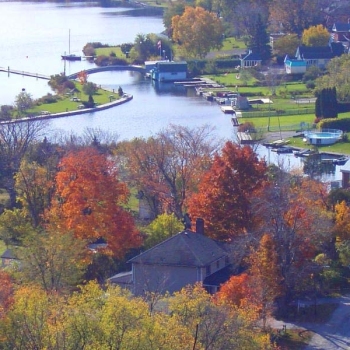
(27, 74)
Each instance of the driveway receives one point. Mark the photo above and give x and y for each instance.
(335, 334)
(332, 335)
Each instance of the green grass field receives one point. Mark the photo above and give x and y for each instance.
(65, 104)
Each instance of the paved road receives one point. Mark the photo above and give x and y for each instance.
(332, 335)
(335, 334)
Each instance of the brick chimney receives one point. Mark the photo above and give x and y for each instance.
(200, 226)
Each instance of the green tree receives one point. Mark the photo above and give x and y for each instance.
(14, 227)
(259, 41)
(90, 89)
(15, 140)
(197, 31)
(23, 101)
(34, 187)
(338, 76)
(55, 261)
(286, 45)
(326, 105)
(174, 8)
(163, 227)
(315, 36)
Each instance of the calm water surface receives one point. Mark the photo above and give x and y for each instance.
(33, 37)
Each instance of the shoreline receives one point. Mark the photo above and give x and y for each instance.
(124, 99)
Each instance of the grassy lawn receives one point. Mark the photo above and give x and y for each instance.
(65, 104)
(294, 339)
(106, 51)
(232, 43)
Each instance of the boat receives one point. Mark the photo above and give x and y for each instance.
(70, 57)
(341, 160)
(285, 149)
(304, 153)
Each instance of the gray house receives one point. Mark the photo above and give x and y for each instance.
(185, 258)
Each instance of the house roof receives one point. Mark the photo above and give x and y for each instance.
(251, 56)
(341, 27)
(186, 248)
(122, 278)
(314, 52)
(8, 255)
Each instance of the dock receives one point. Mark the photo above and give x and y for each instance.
(228, 109)
(244, 138)
(27, 74)
(235, 121)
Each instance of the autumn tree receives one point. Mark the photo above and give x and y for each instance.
(315, 36)
(294, 212)
(225, 192)
(166, 167)
(213, 324)
(235, 292)
(197, 31)
(295, 16)
(265, 277)
(89, 201)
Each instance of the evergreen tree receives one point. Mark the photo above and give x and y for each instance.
(326, 105)
(259, 42)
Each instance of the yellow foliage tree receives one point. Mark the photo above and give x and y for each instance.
(315, 36)
(197, 31)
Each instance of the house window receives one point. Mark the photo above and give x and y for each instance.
(208, 270)
(218, 264)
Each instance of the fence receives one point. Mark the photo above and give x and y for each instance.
(290, 127)
(276, 113)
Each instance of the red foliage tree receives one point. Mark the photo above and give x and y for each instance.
(225, 191)
(89, 201)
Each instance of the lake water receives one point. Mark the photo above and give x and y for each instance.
(34, 35)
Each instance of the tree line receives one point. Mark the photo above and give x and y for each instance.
(69, 192)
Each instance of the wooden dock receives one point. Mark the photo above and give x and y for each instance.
(27, 74)
(244, 138)
(235, 121)
(228, 109)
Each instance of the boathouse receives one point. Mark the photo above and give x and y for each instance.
(169, 71)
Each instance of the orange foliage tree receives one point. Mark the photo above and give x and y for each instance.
(294, 212)
(265, 276)
(224, 195)
(89, 202)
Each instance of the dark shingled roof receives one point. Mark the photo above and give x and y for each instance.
(316, 52)
(341, 27)
(8, 255)
(186, 248)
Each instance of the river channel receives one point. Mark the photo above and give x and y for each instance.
(34, 35)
